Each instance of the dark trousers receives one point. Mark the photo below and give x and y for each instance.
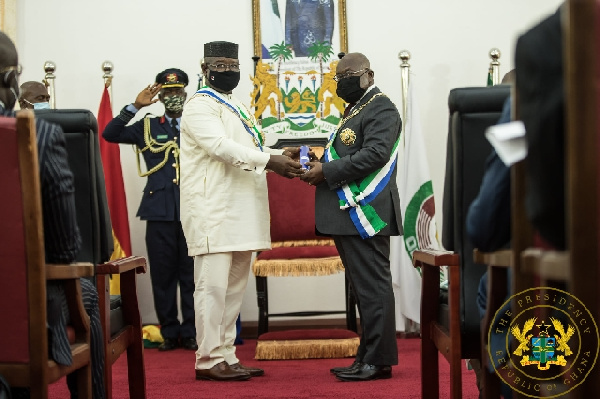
(90, 303)
(367, 264)
(170, 266)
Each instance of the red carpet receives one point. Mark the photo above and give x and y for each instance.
(171, 375)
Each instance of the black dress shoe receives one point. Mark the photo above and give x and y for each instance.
(366, 372)
(347, 369)
(168, 344)
(189, 343)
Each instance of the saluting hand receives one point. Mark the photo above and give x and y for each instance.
(146, 96)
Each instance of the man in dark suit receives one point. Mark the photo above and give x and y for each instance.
(157, 139)
(358, 169)
(541, 103)
(62, 240)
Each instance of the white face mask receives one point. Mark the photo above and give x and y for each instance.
(45, 105)
(41, 105)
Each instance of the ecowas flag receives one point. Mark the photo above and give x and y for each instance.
(418, 216)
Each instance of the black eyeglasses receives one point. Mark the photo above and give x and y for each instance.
(224, 67)
(18, 69)
(348, 74)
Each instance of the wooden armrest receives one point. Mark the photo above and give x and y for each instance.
(549, 265)
(123, 265)
(69, 271)
(502, 258)
(434, 257)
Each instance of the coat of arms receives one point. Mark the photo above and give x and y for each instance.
(543, 347)
(296, 98)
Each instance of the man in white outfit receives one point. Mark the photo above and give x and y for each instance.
(224, 207)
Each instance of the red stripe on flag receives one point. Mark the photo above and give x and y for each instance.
(113, 176)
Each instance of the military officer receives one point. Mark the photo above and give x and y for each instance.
(157, 140)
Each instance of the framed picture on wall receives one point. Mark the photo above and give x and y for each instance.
(296, 44)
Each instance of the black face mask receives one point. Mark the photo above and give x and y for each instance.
(225, 81)
(349, 89)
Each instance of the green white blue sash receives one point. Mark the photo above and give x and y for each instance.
(355, 196)
(249, 125)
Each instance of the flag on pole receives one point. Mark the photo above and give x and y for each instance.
(418, 216)
(115, 189)
(490, 79)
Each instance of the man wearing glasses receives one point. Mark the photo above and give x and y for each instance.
(157, 140)
(224, 206)
(62, 240)
(357, 203)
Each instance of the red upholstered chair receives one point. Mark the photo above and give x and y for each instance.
(24, 358)
(296, 249)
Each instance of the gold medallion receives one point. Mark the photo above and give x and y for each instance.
(348, 136)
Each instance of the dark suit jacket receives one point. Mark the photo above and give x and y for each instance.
(488, 219)
(541, 101)
(61, 233)
(160, 201)
(377, 127)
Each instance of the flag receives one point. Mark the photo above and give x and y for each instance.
(271, 28)
(418, 216)
(490, 79)
(115, 190)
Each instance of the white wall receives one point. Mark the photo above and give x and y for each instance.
(449, 41)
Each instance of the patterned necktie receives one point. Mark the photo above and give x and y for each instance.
(348, 108)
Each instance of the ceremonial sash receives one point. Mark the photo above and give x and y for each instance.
(246, 121)
(355, 196)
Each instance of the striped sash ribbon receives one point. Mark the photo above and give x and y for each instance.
(246, 121)
(355, 196)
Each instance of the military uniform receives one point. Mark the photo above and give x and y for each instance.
(158, 142)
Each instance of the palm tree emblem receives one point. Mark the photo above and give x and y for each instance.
(320, 52)
(280, 52)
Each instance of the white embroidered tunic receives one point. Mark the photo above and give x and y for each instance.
(224, 199)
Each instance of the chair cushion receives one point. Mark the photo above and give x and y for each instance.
(323, 251)
(116, 320)
(115, 301)
(307, 344)
(116, 314)
(324, 333)
(292, 208)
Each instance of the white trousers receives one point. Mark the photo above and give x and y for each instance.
(220, 280)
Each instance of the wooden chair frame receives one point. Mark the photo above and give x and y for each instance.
(434, 336)
(40, 370)
(129, 337)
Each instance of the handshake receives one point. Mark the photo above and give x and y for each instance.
(298, 162)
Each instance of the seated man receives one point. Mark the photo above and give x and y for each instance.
(34, 95)
(61, 233)
(488, 219)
